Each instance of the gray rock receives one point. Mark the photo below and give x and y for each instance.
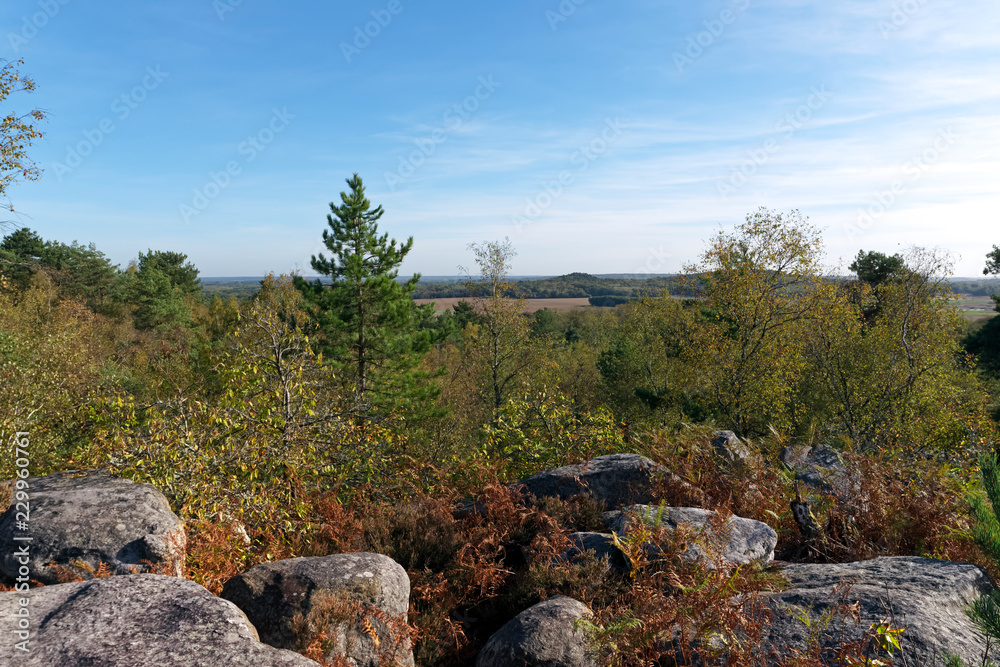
(81, 519)
(745, 541)
(730, 448)
(928, 598)
(820, 468)
(603, 547)
(611, 518)
(615, 479)
(541, 636)
(143, 619)
(349, 596)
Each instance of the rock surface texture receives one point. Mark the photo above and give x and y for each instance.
(360, 600)
(81, 519)
(819, 468)
(142, 619)
(615, 479)
(603, 547)
(928, 598)
(744, 541)
(730, 448)
(540, 636)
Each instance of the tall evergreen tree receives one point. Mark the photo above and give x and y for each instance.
(182, 274)
(875, 268)
(368, 317)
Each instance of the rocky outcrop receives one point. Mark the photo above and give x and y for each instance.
(742, 541)
(544, 635)
(359, 600)
(730, 448)
(132, 620)
(82, 519)
(615, 479)
(819, 468)
(927, 597)
(601, 545)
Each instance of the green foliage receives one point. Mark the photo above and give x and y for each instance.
(993, 266)
(570, 286)
(160, 305)
(76, 271)
(760, 282)
(20, 252)
(606, 637)
(499, 351)
(894, 371)
(546, 323)
(24, 244)
(875, 268)
(52, 367)
(984, 343)
(85, 273)
(643, 371)
(17, 132)
(182, 275)
(249, 413)
(986, 531)
(542, 428)
(992, 262)
(985, 611)
(271, 434)
(162, 290)
(368, 320)
(609, 301)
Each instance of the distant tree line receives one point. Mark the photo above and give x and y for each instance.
(571, 286)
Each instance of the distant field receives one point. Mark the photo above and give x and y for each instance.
(530, 305)
(975, 308)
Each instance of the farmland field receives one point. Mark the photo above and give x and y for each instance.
(530, 305)
(975, 307)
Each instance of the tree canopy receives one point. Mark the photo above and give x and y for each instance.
(17, 132)
(992, 262)
(875, 268)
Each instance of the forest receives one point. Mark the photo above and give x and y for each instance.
(337, 415)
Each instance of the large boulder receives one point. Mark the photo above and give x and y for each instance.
(82, 519)
(614, 479)
(601, 545)
(743, 541)
(730, 448)
(544, 635)
(143, 619)
(819, 468)
(359, 600)
(927, 597)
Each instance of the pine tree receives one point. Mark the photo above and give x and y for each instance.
(368, 318)
(985, 611)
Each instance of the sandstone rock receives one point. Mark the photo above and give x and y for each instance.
(143, 619)
(820, 468)
(615, 479)
(745, 541)
(730, 448)
(353, 597)
(603, 547)
(541, 636)
(928, 598)
(81, 519)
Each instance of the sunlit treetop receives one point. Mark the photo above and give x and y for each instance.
(17, 131)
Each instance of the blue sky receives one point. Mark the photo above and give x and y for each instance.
(600, 137)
